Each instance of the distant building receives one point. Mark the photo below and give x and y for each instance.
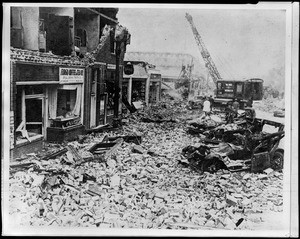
(169, 64)
(143, 85)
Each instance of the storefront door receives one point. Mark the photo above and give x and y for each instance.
(30, 110)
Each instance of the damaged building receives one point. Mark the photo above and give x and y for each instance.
(63, 72)
(144, 85)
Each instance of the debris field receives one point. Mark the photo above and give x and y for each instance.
(143, 175)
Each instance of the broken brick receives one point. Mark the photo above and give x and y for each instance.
(232, 201)
(138, 149)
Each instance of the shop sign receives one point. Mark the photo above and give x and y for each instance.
(71, 75)
(128, 69)
(111, 67)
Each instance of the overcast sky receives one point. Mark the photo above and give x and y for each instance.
(242, 43)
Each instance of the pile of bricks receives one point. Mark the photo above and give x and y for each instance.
(47, 58)
(139, 186)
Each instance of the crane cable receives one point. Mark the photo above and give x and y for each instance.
(229, 66)
(225, 69)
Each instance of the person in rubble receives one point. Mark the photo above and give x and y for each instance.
(229, 113)
(235, 107)
(206, 107)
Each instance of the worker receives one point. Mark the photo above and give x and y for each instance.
(250, 102)
(206, 106)
(211, 100)
(229, 113)
(235, 107)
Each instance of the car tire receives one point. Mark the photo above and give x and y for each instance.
(277, 160)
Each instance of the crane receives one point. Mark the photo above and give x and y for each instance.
(212, 69)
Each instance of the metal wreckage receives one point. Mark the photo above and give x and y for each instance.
(235, 144)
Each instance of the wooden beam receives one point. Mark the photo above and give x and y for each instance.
(113, 20)
(102, 15)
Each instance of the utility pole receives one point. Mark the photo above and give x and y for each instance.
(121, 35)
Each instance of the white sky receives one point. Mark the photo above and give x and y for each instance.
(242, 43)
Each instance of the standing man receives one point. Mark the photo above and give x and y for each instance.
(250, 102)
(211, 100)
(206, 107)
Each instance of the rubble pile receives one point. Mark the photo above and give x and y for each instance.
(49, 58)
(270, 105)
(164, 111)
(107, 181)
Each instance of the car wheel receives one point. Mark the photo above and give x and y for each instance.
(277, 161)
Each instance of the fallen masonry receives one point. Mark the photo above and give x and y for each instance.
(108, 180)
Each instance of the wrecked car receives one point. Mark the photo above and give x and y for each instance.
(249, 142)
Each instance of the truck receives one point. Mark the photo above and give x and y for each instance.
(245, 92)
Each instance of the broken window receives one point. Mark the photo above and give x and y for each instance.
(239, 89)
(138, 91)
(29, 113)
(41, 25)
(16, 31)
(68, 101)
(81, 38)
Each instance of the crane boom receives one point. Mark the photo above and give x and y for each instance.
(213, 71)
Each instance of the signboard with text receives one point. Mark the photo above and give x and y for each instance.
(111, 67)
(71, 75)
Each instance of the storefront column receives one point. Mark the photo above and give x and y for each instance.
(147, 90)
(129, 90)
(46, 114)
(157, 92)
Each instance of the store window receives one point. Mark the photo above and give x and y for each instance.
(29, 113)
(80, 38)
(68, 102)
(138, 91)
